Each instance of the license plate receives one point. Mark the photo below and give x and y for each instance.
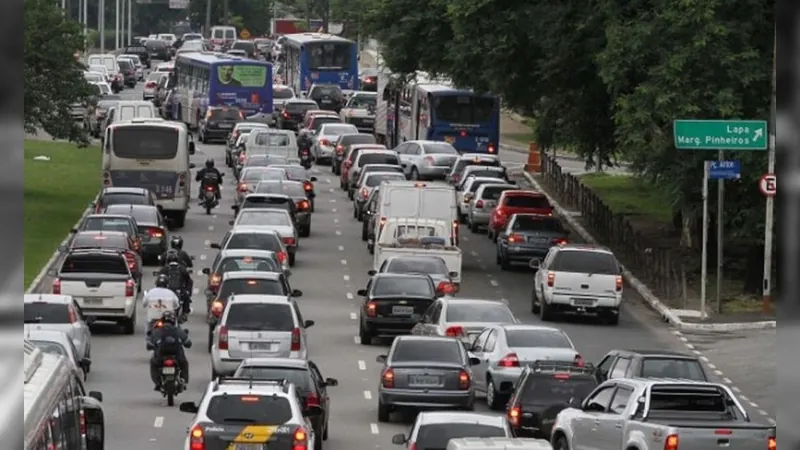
(264, 346)
(325, 100)
(582, 301)
(209, 194)
(249, 447)
(226, 125)
(424, 380)
(92, 301)
(402, 310)
(168, 371)
(536, 240)
(368, 120)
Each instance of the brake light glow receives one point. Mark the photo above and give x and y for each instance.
(462, 133)
(285, 115)
(210, 188)
(516, 239)
(303, 204)
(131, 260)
(388, 378)
(71, 316)
(463, 380)
(490, 148)
(197, 439)
(242, 157)
(242, 187)
(561, 376)
(296, 344)
(252, 282)
(551, 279)
(129, 288)
(300, 439)
(723, 432)
(223, 338)
(282, 257)
(208, 115)
(155, 232)
(430, 160)
(325, 142)
(513, 415)
(446, 287)
(216, 309)
(364, 193)
(510, 360)
(579, 361)
(83, 422)
(454, 331)
(559, 241)
(289, 241)
(619, 283)
(372, 309)
(479, 204)
(671, 443)
(312, 400)
(772, 443)
(419, 185)
(169, 363)
(307, 186)
(249, 398)
(150, 84)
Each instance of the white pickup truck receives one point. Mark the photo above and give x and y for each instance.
(405, 236)
(102, 284)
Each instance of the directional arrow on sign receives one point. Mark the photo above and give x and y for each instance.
(759, 134)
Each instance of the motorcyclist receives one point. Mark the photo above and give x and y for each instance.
(176, 244)
(169, 340)
(209, 174)
(179, 279)
(157, 301)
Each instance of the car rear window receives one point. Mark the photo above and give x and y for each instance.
(273, 139)
(282, 93)
(374, 180)
(254, 241)
(531, 223)
(320, 91)
(257, 286)
(297, 173)
(247, 263)
(226, 114)
(249, 409)
(477, 183)
(478, 312)
(402, 286)
(263, 218)
(488, 173)
(143, 142)
(260, 317)
(320, 121)
(254, 175)
(123, 198)
(493, 192)
(290, 189)
(445, 350)
(360, 138)
(46, 313)
(301, 378)
(558, 387)
(95, 264)
(52, 348)
(93, 240)
(336, 130)
(140, 215)
(596, 263)
(377, 158)
(297, 107)
(436, 436)
(537, 338)
(440, 149)
(135, 50)
(673, 368)
(421, 265)
(527, 201)
(259, 201)
(103, 224)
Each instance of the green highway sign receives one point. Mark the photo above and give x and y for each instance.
(720, 134)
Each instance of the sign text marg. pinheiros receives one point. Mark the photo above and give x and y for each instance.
(720, 134)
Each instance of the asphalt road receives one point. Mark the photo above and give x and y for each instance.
(331, 267)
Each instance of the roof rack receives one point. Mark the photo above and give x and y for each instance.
(250, 382)
(561, 366)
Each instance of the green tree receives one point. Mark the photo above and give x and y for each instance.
(53, 77)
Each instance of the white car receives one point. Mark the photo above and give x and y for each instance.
(165, 67)
(96, 68)
(151, 85)
(105, 88)
(328, 133)
(49, 312)
(94, 77)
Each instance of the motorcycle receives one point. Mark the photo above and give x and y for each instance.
(209, 198)
(305, 159)
(171, 381)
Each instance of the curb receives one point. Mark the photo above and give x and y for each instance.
(666, 313)
(525, 151)
(35, 284)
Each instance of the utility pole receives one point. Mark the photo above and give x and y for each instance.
(770, 209)
(309, 8)
(101, 24)
(208, 19)
(326, 15)
(130, 22)
(85, 18)
(116, 26)
(225, 17)
(121, 24)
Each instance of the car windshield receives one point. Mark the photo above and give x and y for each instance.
(591, 262)
(436, 436)
(272, 139)
(537, 223)
(493, 192)
(444, 350)
(247, 263)
(225, 114)
(264, 218)
(300, 378)
(263, 410)
(260, 317)
(439, 149)
(46, 313)
(256, 286)
(429, 266)
(402, 287)
(537, 338)
(103, 224)
(374, 180)
(682, 368)
(478, 312)
(324, 120)
(557, 388)
(99, 240)
(110, 264)
(254, 241)
(282, 93)
(297, 173)
(141, 215)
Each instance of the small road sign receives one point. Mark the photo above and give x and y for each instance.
(720, 134)
(768, 184)
(725, 170)
(244, 34)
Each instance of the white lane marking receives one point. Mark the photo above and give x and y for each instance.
(712, 366)
(466, 239)
(727, 380)
(207, 243)
(504, 300)
(195, 291)
(335, 220)
(341, 248)
(346, 277)
(690, 346)
(474, 253)
(493, 282)
(772, 421)
(200, 273)
(704, 359)
(159, 422)
(718, 372)
(744, 398)
(333, 210)
(362, 365)
(338, 233)
(211, 228)
(482, 266)
(203, 257)
(349, 296)
(344, 262)
(736, 389)
(357, 340)
(373, 427)
(367, 395)
(353, 316)
(331, 189)
(333, 200)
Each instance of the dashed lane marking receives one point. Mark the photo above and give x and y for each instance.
(335, 220)
(333, 210)
(367, 395)
(338, 232)
(373, 427)
(353, 316)
(203, 257)
(362, 365)
(341, 248)
(346, 277)
(195, 291)
(211, 228)
(159, 422)
(344, 262)
(466, 239)
(493, 282)
(474, 253)
(357, 340)
(207, 243)
(200, 273)
(333, 200)
(330, 190)
(349, 296)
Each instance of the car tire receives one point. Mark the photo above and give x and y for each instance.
(364, 336)
(325, 431)
(364, 232)
(383, 412)
(473, 227)
(544, 312)
(496, 401)
(612, 319)
(210, 339)
(505, 264)
(292, 259)
(415, 174)
(561, 444)
(534, 302)
(355, 211)
(305, 231)
(129, 324)
(179, 219)
(317, 442)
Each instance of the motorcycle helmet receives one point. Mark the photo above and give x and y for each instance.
(162, 281)
(209, 163)
(176, 242)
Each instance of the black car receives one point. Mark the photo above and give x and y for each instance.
(140, 51)
(158, 49)
(291, 115)
(368, 215)
(528, 236)
(650, 364)
(543, 390)
(393, 304)
(307, 379)
(152, 228)
(219, 122)
(128, 71)
(368, 80)
(328, 96)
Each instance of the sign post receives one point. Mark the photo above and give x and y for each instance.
(704, 254)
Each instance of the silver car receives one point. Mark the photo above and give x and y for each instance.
(323, 148)
(482, 204)
(360, 111)
(425, 372)
(505, 350)
(467, 192)
(462, 318)
(258, 326)
(251, 176)
(275, 219)
(298, 194)
(434, 429)
(59, 343)
(427, 160)
(53, 312)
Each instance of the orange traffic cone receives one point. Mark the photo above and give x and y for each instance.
(534, 159)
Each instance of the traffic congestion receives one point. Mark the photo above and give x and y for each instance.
(278, 259)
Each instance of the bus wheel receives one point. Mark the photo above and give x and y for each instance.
(179, 219)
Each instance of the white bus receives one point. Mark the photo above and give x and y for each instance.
(151, 154)
(58, 414)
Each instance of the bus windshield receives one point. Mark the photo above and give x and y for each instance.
(463, 109)
(329, 55)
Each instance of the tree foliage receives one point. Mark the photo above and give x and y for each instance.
(53, 77)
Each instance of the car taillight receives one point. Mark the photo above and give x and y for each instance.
(131, 260)
(303, 204)
(559, 241)
(56, 286)
(150, 84)
(372, 309)
(430, 160)
(208, 115)
(579, 361)
(479, 204)
(285, 115)
(513, 415)
(312, 400)
(619, 283)
(446, 287)
(296, 344)
(300, 439)
(197, 439)
(290, 241)
(516, 239)
(242, 187)
(454, 232)
(307, 186)
(510, 360)
(216, 309)
(325, 142)
(671, 443)
(71, 316)
(155, 232)
(129, 288)
(83, 422)
(169, 363)
(364, 193)
(210, 188)
(388, 378)
(772, 443)
(463, 380)
(412, 446)
(551, 279)
(454, 331)
(282, 256)
(223, 338)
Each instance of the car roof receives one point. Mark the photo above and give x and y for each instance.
(102, 233)
(249, 229)
(245, 252)
(273, 362)
(110, 216)
(658, 353)
(490, 179)
(48, 298)
(261, 275)
(465, 156)
(267, 194)
(370, 174)
(374, 145)
(437, 417)
(131, 207)
(525, 326)
(124, 190)
(380, 275)
(416, 338)
(258, 298)
(459, 300)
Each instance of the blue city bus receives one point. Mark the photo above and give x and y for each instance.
(468, 120)
(320, 58)
(214, 79)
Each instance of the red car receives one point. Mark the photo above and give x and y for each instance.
(516, 202)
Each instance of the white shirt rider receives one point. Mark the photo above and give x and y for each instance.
(158, 300)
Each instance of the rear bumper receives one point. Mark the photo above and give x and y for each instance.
(177, 204)
(304, 219)
(389, 325)
(423, 400)
(433, 172)
(216, 133)
(479, 217)
(520, 253)
(154, 248)
(571, 303)
(108, 312)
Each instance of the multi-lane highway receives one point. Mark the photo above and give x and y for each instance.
(332, 265)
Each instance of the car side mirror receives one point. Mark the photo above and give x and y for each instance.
(361, 292)
(312, 179)
(97, 395)
(191, 152)
(372, 272)
(399, 439)
(73, 230)
(332, 382)
(297, 293)
(231, 222)
(188, 407)
(452, 274)
(215, 246)
(534, 263)
(192, 165)
(473, 361)
(206, 271)
(308, 324)
(86, 363)
(381, 359)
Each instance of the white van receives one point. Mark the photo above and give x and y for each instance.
(493, 443)
(151, 154)
(131, 109)
(169, 38)
(222, 37)
(416, 199)
(108, 61)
